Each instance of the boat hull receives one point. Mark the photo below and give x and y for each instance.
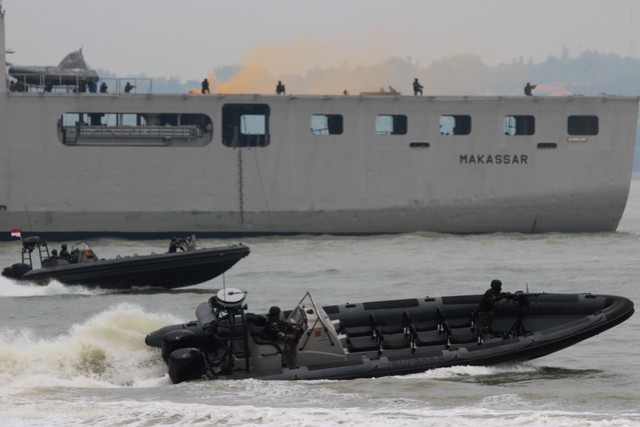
(171, 270)
(538, 325)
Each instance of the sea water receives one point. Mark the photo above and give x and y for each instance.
(74, 356)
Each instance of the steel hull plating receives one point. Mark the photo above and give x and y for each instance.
(299, 184)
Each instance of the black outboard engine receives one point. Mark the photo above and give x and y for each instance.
(16, 271)
(177, 339)
(191, 355)
(186, 364)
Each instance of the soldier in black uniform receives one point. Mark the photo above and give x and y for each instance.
(205, 86)
(492, 298)
(417, 87)
(64, 253)
(528, 88)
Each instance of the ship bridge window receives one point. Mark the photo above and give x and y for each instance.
(582, 125)
(135, 129)
(245, 125)
(326, 124)
(387, 124)
(455, 124)
(519, 125)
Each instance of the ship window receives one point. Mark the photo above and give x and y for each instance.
(519, 125)
(135, 129)
(455, 125)
(326, 124)
(387, 124)
(582, 125)
(245, 125)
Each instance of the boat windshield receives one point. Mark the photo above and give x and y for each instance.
(82, 252)
(308, 312)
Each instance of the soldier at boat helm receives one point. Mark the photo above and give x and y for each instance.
(278, 329)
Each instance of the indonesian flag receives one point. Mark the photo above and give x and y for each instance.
(15, 232)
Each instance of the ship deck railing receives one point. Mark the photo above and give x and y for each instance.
(115, 85)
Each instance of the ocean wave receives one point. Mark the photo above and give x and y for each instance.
(132, 413)
(107, 350)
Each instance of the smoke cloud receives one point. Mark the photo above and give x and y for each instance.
(314, 67)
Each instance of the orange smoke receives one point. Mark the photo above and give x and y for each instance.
(314, 67)
(303, 68)
(266, 64)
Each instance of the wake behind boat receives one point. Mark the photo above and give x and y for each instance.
(378, 338)
(183, 265)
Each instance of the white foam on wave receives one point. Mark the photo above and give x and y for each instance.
(472, 371)
(9, 288)
(133, 413)
(107, 350)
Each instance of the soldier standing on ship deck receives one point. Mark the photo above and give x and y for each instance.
(205, 86)
(417, 87)
(280, 88)
(528, 88)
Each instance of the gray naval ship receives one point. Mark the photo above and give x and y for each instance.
(76, 160)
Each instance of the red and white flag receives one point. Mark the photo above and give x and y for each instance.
(15, 232)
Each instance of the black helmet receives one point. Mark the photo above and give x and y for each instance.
(274, 311)
(496, 285)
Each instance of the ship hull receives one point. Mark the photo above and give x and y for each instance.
(584, 216)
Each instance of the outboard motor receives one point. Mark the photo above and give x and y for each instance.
(16, 271)
(186, 364)
(177, 339)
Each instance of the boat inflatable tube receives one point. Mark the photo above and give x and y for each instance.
(186, 364)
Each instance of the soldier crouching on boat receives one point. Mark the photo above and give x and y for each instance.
(492, 298)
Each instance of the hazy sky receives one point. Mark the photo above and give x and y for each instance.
(189, 38)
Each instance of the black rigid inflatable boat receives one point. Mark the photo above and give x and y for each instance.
(379, 338)
(183, 265)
